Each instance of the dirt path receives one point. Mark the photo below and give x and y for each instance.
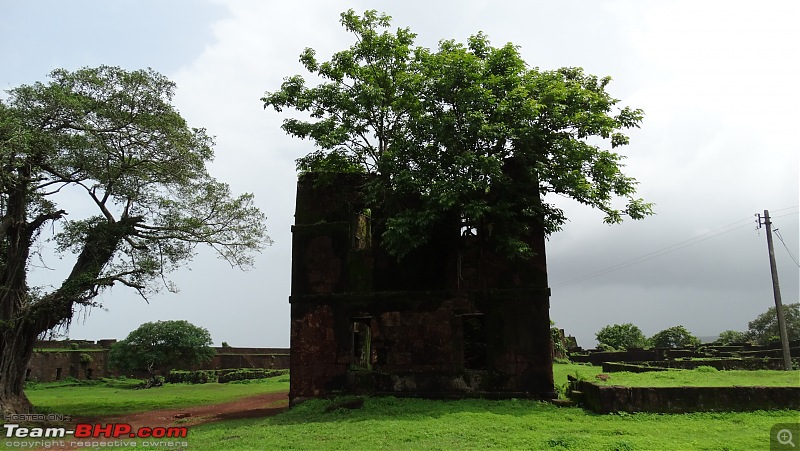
(263, 405)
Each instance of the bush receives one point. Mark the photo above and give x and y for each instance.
(192, 377)
(246, 374)
(706, 369)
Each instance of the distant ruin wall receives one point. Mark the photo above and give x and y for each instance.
(56, 360)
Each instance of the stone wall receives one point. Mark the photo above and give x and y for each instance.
(608, 399)
(451, 319)
(56, 360)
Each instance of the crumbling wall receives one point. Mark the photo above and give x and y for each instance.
(448, 320)
(56, 360)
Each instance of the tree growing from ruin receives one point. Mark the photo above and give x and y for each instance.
(101, 157)
(467, 128)
(160, 346)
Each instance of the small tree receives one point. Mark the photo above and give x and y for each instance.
(674, 337)
(728, 337)
(621, 336)
(161, 346)
(764, 329)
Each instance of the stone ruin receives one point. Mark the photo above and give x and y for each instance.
(449, 320)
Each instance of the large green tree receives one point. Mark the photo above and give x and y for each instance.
(161, 346)
(764, 328)
(621, 336)
(468, 129)
(107, 146)
(674, 337)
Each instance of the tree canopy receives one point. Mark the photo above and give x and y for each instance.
(161, 346)
(764, 328)
(621, 336)
(468, 128)
(674, 337)
(102, 157)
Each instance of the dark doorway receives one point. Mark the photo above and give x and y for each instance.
(473, 327)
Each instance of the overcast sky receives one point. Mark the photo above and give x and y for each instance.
(717, 81)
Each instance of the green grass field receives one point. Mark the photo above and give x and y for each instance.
(114, 397)
(392, 423)
(705, 378)
(701, 377)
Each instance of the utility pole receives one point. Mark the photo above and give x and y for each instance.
(776, 291)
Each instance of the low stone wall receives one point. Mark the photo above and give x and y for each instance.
(720, 364)
(57, 360)
(608, 399)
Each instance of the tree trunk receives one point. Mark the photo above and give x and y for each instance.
(16, 346)
(23, 319)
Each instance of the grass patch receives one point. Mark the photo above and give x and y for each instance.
(470, 424)
(114, 397)
(705, 377)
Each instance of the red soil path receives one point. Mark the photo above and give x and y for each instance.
(263, 405)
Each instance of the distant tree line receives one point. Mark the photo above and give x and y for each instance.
(762, 330)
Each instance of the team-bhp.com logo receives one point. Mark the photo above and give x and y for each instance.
(88, 430)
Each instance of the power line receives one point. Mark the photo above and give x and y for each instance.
(778, 234)
(658, 253)
(787, 208)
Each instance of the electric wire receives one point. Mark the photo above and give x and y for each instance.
(787, 208)
(778, 234)
(658, 253)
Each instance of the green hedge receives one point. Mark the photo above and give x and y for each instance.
(246, 374)
(192, 377)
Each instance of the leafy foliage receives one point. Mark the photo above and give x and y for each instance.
(674, 337)
(161, 345)
(468, 128)
(192, 377)
(621, 336)
(111, 139)
(727, 337)
(764, 328)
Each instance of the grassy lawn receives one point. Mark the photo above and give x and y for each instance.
(391, 423)
(114, 397)
(705, 378)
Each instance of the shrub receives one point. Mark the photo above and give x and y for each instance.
(192, 377)
(246, 374)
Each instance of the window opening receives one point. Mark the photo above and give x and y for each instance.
(361, 343)
(474, 332)
(58, 374)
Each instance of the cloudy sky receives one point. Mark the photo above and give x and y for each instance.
(717, 81)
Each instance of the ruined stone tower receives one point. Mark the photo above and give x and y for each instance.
(448, 320)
